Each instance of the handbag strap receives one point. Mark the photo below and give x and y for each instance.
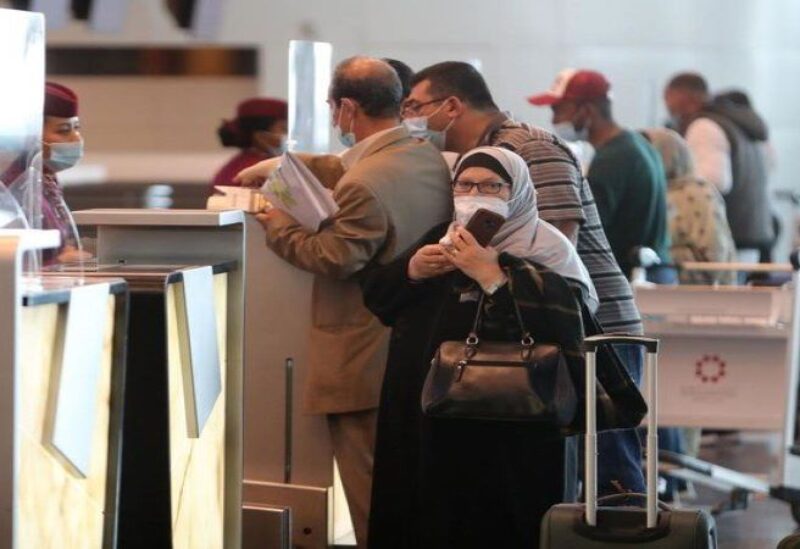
(473, 339)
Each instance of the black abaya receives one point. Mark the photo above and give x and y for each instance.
(446, 483)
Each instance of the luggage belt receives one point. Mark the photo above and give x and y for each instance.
(738, 486)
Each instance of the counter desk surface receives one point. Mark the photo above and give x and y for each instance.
(56, 288)
(151, 277)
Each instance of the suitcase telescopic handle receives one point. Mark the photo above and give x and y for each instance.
(590, 345)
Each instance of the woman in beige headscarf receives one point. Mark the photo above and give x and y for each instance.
(698, 226)
(698, 223)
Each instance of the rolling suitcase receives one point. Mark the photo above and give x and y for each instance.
(578, 526)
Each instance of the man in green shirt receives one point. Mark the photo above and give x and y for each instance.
(627, 180)
(626, 175)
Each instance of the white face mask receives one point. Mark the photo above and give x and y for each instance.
(466, 205)
(417, 126)
(567, 132)
(64, 155)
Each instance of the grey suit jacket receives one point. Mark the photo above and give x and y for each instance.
(392, 195)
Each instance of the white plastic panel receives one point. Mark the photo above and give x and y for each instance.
(75, 374)
(197, 328)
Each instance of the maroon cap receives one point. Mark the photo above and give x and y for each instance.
(577, 85)
(263, 106)
(59, 100)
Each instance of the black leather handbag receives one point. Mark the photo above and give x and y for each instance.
(620, 404)
(505, 381)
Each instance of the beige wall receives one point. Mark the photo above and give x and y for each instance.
(156, 114)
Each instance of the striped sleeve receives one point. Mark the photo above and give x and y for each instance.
(556, 178)
(563, 194)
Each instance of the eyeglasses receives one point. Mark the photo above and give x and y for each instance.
(411, 107)
(485, 187)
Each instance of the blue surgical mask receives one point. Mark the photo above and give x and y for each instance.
(567, 132)
(347, 139)
(417, 126)
(64, 155)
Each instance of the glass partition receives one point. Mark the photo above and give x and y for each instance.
(22, 64)
(11, 214)
(21, 104)
(309, 78)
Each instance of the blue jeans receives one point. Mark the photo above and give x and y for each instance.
(662, 274)
(619, 460)
(669, 438)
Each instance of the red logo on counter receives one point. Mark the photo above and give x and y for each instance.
(710, 369)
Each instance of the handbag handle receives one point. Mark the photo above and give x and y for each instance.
(473, 340)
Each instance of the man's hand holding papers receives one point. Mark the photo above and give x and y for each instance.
(296, 191)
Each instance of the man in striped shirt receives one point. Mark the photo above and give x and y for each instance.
(451, 105)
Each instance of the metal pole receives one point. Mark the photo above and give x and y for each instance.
(652, 442)
(590, 457)
(288, 431)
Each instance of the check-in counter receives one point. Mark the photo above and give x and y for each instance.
(288, 457)
(72, 390)
(181, 460)
(62, 365)
(728, 354)
(287, 497)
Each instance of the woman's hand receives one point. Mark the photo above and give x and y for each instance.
(71, 254)
(429, 261)
(475, 261)
(257, 174)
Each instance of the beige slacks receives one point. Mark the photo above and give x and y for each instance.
(353, 438)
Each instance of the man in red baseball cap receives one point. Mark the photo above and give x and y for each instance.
(570, 97)
(626, 175)
(627, 181)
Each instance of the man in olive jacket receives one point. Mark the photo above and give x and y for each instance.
(394, 189)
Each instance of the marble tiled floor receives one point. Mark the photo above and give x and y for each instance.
(766, 521)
